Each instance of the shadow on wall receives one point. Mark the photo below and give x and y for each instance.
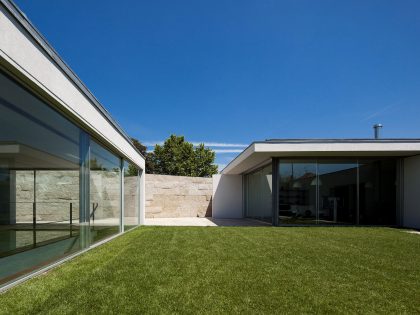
(209, 211)
(227, 196)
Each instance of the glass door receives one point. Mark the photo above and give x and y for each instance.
(337, 189)
(297, 192)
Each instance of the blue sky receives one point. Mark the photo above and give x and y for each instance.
(231, 72)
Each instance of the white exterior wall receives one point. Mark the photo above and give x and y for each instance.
(411, 215)
(227, 196)
(19, 51)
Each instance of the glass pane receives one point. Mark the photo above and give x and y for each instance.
(39, 183)
(337, 182)
(131, 196)
(105, 193)
(259, 194)
(297, 192)
(377, 190)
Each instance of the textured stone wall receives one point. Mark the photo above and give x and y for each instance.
(166, 196)
(178, 196)
(55, 190)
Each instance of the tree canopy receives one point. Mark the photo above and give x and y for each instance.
(179, 157)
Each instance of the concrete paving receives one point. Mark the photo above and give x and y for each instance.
(204, 222)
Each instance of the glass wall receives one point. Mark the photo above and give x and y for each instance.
(131, 196)
(337, 186)
(39, 183)
(105, 193)
(337, 191)
(377, 189)
(258, 185)
(297, 192)
(54, 199)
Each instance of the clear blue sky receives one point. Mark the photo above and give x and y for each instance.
(237, 71)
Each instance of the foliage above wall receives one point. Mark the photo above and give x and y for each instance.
(179, 157)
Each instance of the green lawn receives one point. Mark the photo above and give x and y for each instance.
(233, 270)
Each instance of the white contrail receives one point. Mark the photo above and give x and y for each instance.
(221, 144)
(206, 144)
(222, 151)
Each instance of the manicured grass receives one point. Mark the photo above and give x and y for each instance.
(214, 270)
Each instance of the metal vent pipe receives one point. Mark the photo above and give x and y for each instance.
(377, 130)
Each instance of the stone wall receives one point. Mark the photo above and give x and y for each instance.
(55, 190)
(178, 196)
(166, 196)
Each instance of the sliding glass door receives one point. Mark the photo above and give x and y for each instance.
(377, 191)
(337, 191)
(297, 192)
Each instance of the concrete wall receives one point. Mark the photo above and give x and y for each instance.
(227, 196)
(411, 215)
(177, 196)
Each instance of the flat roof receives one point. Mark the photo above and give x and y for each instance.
(259, 153)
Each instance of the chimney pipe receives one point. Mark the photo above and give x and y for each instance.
(377, 130)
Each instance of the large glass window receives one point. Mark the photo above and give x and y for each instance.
(39, 182)
(259, 190)
(377, 188)
(337, 185)
(131, 195)
(337, 191)
(297, 192)
(105, 193)
(59, 190)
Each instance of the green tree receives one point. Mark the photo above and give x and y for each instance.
(179, 157)
(204, 162)
(132, 170)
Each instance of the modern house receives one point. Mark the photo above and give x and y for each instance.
(70, 177)
(323, 182)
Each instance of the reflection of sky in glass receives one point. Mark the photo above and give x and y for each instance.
(334, 167)
(288, 169)
(103, 158)
(296, 170)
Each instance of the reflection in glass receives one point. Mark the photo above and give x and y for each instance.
(105, 193)
(377, 188)
(337, 192)
(131, 196)
(297, 192)
(39, 183)
(259, 194)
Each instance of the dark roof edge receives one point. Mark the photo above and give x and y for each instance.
(361, 140)
(14, 10)
(355, 140)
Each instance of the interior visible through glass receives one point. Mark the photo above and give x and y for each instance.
(131, 195)
(105, 193)
(297, 192)
(39, 183)
(337, 186)
(338, 191)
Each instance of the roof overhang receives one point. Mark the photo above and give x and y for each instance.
(260, 153)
